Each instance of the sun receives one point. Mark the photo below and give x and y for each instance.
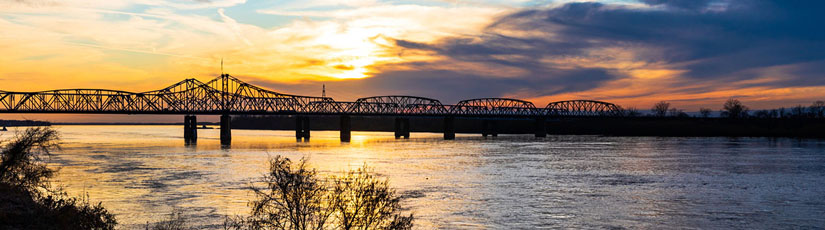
(354, 50)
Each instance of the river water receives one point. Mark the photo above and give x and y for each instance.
(143, 173)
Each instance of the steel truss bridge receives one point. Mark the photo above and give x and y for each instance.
(227, 95)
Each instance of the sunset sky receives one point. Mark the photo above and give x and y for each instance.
(693, 53)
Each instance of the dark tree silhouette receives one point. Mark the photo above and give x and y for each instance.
(734, 109)
(296, 198)
(660, 109)
(631, 112)
(817, 109)
(21, 164)
(705, 112)
(366, 202)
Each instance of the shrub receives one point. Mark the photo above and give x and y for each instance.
(295, 197)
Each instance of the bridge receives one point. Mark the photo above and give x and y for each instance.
(227, 95)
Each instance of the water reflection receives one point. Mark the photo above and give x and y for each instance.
(144, 172)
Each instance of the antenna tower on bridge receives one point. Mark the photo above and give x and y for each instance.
(324, 90)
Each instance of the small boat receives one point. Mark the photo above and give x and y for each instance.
(204, 127)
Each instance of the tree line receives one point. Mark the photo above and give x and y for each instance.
(734, 109)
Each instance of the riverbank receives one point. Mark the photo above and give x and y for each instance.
(16, 123)
(623, 126)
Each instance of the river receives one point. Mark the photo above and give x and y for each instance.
(143, 173)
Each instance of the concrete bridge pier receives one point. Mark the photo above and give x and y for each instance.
(449, 128)
(489, 127)
(226, 129)
(541, 127)
(346, 128)
(301, 128)
(402, 128)
(190, 129)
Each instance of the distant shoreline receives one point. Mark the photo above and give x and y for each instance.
(127, 123)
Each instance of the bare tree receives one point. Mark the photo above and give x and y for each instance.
(366, 202)
(293, 199)
(762, 114)
(734, 109)
(660, 109)
(631, 112)
(674, 112)
(705, 112)
(817, 109)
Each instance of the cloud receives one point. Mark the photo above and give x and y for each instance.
(704, 47)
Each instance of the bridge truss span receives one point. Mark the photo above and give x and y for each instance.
(496, 107)
(229, 95)
(398, 104)
(584, 108)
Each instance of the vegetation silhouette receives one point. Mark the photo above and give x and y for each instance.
(175, 221)
(27, 201)
(705, 112)
(660, 109)
(734, 109)
(296, 197)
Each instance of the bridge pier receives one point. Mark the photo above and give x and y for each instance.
(190, 129)
(226, 129)
(302, 128)
(541, 127)
(346, 128)
(402, 128)
(449, 128)
(489, 127)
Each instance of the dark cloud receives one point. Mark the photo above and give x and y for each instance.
(715, 41)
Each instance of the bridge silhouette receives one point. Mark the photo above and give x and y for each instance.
(227, 95)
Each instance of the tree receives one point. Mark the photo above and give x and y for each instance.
(673, 112)
(366, 202)
(631, 112)
(660, 109)
(734, 109)
(705, 112)
(817, 109)
(764, 114)
(293, 199)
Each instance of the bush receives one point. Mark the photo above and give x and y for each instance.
(296, 198)
(175, 221)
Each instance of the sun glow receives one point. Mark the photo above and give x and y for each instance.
(354, 50)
